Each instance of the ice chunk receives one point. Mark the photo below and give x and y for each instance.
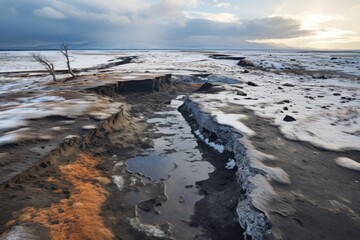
(230, 164)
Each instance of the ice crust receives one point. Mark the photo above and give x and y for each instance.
(252, 209)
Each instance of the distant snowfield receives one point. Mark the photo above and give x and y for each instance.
(324, 100)
(14, 61)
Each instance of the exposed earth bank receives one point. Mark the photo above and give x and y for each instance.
(262, 147)
(78, 190)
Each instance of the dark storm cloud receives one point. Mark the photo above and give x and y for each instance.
(162, 24)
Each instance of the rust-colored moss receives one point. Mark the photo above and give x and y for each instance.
(76, 217)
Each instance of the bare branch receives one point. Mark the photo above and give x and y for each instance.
(46, 63)
(64, 51)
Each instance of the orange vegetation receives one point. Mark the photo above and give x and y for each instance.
(76, 217)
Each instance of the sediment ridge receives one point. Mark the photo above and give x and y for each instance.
(252, 219)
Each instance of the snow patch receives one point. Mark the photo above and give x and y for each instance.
(71, 136)
(119, 164)
(218, 147)
(99, 115)
(22, 134)
(230, 164)
(262, 193)
(11, 123)
(233, 120)
(88, 127)
(149, 230)
(348, 163)
(47, 99)
(119, 181)
(56, 128)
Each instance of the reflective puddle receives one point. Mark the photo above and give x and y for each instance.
(176, 161)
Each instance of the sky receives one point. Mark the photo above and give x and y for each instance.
(204, 24)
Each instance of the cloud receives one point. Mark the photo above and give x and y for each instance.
(273, 28)
(160, 24)
(48, 12)
(312, 21)
(192, 3)
(223, 5)
(13, 11)
(164, 12)
(216, 17)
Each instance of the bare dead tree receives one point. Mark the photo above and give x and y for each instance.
(49, 65)
(64, 50)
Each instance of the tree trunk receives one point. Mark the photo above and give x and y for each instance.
(64, 51)
(46, 63)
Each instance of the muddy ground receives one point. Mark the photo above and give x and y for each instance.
(68, 189)
(322, 200)
(71, 177)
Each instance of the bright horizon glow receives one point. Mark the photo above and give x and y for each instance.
(323, 24)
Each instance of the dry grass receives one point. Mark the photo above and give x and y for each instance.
(76, 217)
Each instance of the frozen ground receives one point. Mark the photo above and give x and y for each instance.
(324, 101)
(317, 92)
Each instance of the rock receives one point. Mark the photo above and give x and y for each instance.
(43, 165)
(333, 58)
(250, 83)
(285, 108)
(245, 63)
(241, 93)
(246, 71)
(288, 85)
(280, 88)
(289, 118)
(147, 143)
(322, 77)
(284, 101)
(205, 87)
